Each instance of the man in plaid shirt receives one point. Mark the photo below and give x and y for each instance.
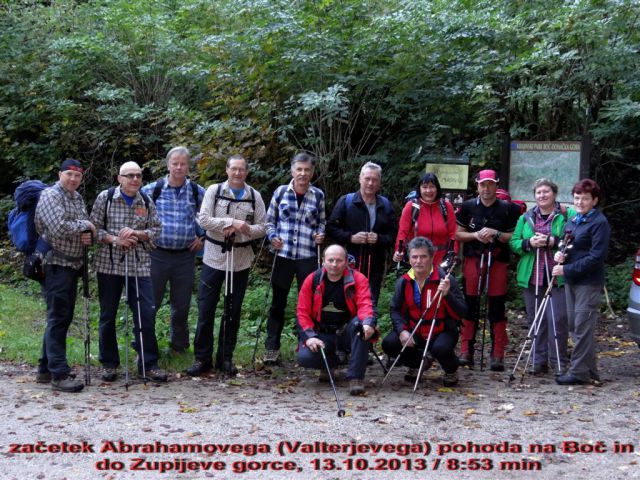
(295, 227)
(233, 214)
(173, 259)
(127, 225)
(62, 220)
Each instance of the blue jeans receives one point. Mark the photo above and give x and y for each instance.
(109, 292)
(178, 269)
(60, 290)
(211, 281)
(347, 341)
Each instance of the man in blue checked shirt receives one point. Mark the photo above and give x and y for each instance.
(295, 227)
(178, 201)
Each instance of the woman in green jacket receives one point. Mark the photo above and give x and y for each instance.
(535, 239)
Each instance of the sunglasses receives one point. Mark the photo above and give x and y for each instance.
(131, 176)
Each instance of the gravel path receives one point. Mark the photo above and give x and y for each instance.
(283, 419)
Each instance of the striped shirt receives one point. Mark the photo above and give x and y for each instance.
(225, 212)
(177, 210)
(119, 216)
(61, 217)
(296, 226)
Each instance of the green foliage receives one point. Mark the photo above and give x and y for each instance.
(618, 285)
(351, 81)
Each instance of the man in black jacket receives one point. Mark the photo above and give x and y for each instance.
(364, 222)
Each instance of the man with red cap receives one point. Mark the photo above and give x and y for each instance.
(485, 225)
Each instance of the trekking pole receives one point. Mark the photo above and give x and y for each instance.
(478, 307)
(486, 314)
(125, 256)
(421, 319)
(341, 411)
(87, 329)
(454, 260)
(533, 330)
(553, 318)
(264, 310)
(401, 252)
(537, 298)
(135, 269)
(228, 293)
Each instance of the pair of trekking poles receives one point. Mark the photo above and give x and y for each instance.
(540, 310)
(449, 266)
(87, 326)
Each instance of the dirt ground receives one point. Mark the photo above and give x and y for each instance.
(283, 424)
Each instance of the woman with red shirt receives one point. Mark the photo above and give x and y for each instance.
(428, 215)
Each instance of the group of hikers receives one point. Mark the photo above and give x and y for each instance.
(148, 236)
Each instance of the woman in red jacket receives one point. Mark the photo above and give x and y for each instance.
(428, 215)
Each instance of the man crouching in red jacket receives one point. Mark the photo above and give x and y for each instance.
(334, 309)
(416, 296)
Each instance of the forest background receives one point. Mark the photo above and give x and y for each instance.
(350, 80)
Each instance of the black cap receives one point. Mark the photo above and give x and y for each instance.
(71, 164)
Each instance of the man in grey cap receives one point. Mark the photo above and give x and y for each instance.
(61, 219)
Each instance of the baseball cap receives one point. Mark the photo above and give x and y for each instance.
(487, 175)
(71, 164)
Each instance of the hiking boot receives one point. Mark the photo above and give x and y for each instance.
(450, 379)
(67, 384)
(465, 359)
(198, 368)
(540, 369)
(324, 376)
(43, 377)
(109, 374)
(570, 379)
(356, 387)
(271, 357)
(497, 364)
(228, 368)
(155, 374)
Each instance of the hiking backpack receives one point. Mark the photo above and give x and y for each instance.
(21, 220)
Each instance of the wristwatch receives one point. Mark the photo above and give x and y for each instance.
(497, 236)
(114, 242)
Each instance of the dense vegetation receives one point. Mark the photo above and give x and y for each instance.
(112, 80)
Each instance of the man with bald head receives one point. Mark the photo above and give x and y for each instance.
(127, 224)
(335, 311)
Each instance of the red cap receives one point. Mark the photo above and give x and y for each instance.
(487, 175)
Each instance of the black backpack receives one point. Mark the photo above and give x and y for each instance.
(160, 183)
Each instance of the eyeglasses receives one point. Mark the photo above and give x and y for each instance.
(131, 176)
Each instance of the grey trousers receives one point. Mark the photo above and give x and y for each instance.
(553, 326)
(582, 310)
(177, 269)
